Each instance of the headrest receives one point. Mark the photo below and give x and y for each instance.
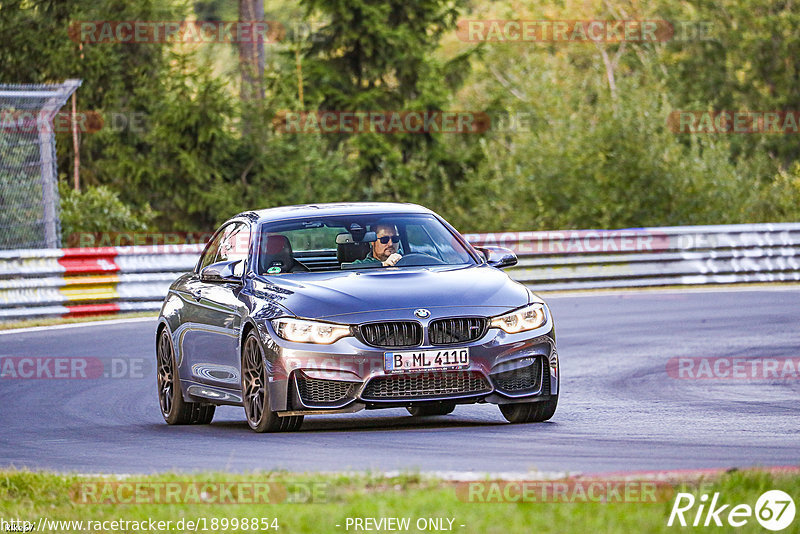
(276, 252)
(350, 252)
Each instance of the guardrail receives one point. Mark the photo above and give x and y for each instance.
(641, 257)
(88, 281)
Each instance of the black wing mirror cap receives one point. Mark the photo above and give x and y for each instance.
(222, 271)
(499, 257)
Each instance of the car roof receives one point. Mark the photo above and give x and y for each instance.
(329, 209)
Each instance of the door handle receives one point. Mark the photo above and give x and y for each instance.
(197, 295)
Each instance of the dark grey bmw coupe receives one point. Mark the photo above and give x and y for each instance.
(335, 308)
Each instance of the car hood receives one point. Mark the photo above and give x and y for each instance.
(346, 296)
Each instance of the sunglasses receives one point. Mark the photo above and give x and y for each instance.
(385, 239)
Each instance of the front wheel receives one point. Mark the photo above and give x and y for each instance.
(530, 412)
(255, 393)
(174, 409)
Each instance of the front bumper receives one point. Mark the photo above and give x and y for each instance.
(349, 375)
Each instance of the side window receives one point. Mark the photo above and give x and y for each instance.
(211, 251)
(235, 244)
(230, 244)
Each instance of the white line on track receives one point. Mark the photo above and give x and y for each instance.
(656, 290)
(77, 325)
(470, 476)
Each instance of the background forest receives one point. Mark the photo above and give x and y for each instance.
(579, 135)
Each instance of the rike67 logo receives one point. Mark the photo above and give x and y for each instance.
(774, 510)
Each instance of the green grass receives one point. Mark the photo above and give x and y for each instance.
(31, 495)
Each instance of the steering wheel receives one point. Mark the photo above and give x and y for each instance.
(415, 259)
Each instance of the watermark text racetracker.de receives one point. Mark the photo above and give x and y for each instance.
(197, 524)
(565, 491)
(734, 122)
(407, 122)
(71, 368)
(212, 493)
(734, 368)
(574, 31)
(381, 122)
(175, 31)
(84, 122)
(127, 239)
(575, 241)
(582, 31)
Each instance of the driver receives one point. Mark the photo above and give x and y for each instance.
(384, 249)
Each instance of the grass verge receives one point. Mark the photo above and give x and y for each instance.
(322, 503)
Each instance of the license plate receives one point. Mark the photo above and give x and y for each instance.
(426, 360)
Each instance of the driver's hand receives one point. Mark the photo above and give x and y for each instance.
(391, 260)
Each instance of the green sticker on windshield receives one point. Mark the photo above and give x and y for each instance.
(273, 270)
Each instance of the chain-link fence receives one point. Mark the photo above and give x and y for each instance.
(29, 205)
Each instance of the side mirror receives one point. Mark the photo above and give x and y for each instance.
(498, 256)
(223, 271)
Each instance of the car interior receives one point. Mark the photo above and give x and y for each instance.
(332, 245)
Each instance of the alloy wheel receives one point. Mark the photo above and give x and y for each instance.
(165, 374)
(253, 387)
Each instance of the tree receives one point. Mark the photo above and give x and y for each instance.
(251, 52)
(380, 56)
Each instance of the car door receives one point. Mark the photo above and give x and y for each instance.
(214, 312)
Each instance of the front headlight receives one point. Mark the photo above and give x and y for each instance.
(302, 331)
(524, 319)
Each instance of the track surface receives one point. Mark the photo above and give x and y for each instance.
(619, 409)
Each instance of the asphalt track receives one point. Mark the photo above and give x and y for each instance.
(619, 409)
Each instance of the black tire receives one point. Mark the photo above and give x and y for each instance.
(530, 412)
(255, 394)
(174, 409)
(432, 409)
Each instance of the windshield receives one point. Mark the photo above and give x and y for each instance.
(357, 242)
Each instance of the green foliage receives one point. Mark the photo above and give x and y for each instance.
(185, 153)
(597, 154)
(593, 153)
(778, 198)
(610, 162)
(98, 209)
(380, 57)
(749, 61)
(375, 55)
